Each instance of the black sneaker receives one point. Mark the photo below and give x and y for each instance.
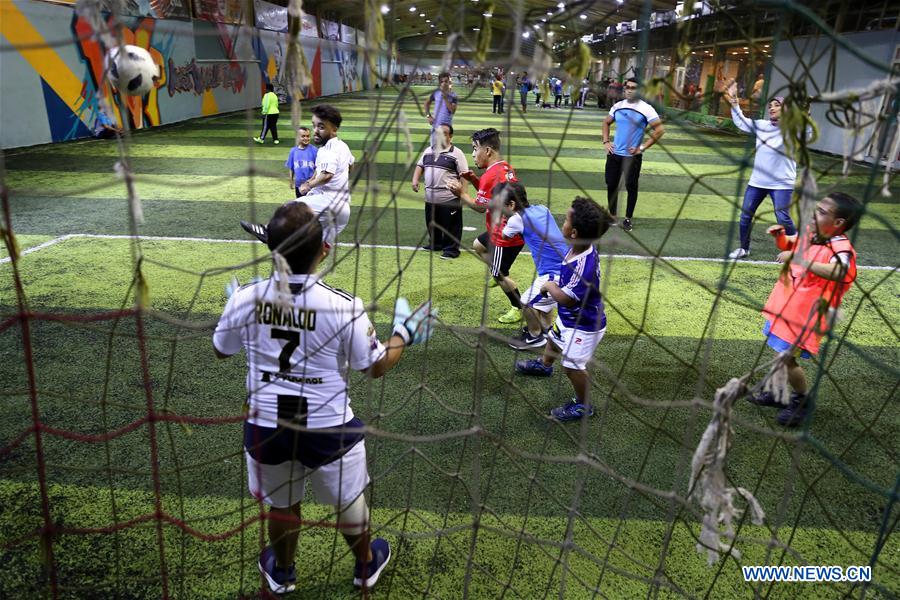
(626, 225)
(798, 411)
(449, 255)
(762, 399)
(526, 340)
(256, 229)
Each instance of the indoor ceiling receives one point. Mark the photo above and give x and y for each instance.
(567, 18)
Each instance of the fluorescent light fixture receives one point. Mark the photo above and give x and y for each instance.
(561, 5)
(428, 20)
(385, 9)
(582, 17)
(432, 25)
(412, 9)
(487, 15)
(476, 29)
(526, 34)
(563, 26)
(543, 20)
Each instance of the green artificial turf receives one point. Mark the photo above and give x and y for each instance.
(471, 481)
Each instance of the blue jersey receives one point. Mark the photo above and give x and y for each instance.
(631, 119)
(545, 241)
(580, 279)
(302, 162)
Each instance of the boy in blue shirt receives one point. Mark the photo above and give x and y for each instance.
(302, 160)
(581, 323)
(545, 241)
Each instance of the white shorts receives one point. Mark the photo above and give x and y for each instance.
(333, 213)
(577, 346)
(337, 483)
(544, 303)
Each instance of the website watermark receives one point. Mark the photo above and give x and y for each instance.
(807, 574)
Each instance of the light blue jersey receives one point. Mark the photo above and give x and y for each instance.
(540, 231)
(632, 119)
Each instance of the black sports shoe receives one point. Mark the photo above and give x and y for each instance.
(526, 340)
(797, 412)
(762, 399)
(449, 255)
(626, 225)
(256, 229)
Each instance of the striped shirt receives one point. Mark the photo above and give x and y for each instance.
(449, 164)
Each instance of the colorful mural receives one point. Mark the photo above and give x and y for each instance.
(54, 91)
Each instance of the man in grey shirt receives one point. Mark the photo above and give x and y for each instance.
(443, 217)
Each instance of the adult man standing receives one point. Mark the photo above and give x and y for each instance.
(624, 156)
(443, 216)
(301, 338)
(444, 101)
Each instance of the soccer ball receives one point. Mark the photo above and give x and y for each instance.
(132, 71)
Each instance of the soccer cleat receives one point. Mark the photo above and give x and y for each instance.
(534, 367)
(449, 255)
(763, 399)
(256, 229)
(526, 340)
(571, 411)
(798, 411)
(259, 140)
(739, 253)
(626, 225)
(513, 315)
(276, 142)
(281, 581)
(366, 575)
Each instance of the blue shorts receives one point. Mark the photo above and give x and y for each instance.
(779, 345)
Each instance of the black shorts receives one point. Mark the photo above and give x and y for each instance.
(275, 445)
(502, 257)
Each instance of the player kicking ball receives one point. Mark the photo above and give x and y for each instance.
(581, 322)
(327, 192)
(301, 337)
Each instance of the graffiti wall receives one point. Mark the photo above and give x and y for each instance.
(53, 88)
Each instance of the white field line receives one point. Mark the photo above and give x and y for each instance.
(162, 238)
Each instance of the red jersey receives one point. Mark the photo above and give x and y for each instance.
(800, 301)
(499, 172)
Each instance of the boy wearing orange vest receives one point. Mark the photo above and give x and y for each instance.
(801, 307)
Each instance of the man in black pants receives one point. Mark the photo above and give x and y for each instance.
(632, 116)
(443, 217)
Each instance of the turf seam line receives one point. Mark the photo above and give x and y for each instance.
(163, 238)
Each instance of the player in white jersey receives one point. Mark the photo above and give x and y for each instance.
(301, 338)
(327, 192)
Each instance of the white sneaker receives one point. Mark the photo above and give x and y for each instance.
(739, 253)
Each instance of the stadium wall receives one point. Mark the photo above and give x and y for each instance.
(52, 84)
(849, 72)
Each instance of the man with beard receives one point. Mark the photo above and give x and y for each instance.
(327, 192)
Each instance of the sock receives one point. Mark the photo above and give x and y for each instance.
(514, 298)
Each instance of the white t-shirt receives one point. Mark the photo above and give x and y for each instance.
(305, 352)
(335, 158)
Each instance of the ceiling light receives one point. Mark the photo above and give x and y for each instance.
(543, 20)
(487, 15)
(428, 20)
(550, 34)
(549, 14)
(620, 1)
(536, 26)
(440, 33)
(526, 34)
(385, 9)
(412, 9)
(561, 5)
(563, 26)
(432, 25)
(583, 17)
(476, 29)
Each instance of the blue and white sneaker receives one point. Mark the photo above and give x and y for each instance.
(534, 367)
(571, 411)
(281, 581)
(365, 576)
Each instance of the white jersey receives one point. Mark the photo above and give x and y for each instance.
(298, 359)
(335, 158)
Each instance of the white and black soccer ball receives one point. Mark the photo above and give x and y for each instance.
(131, 71)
